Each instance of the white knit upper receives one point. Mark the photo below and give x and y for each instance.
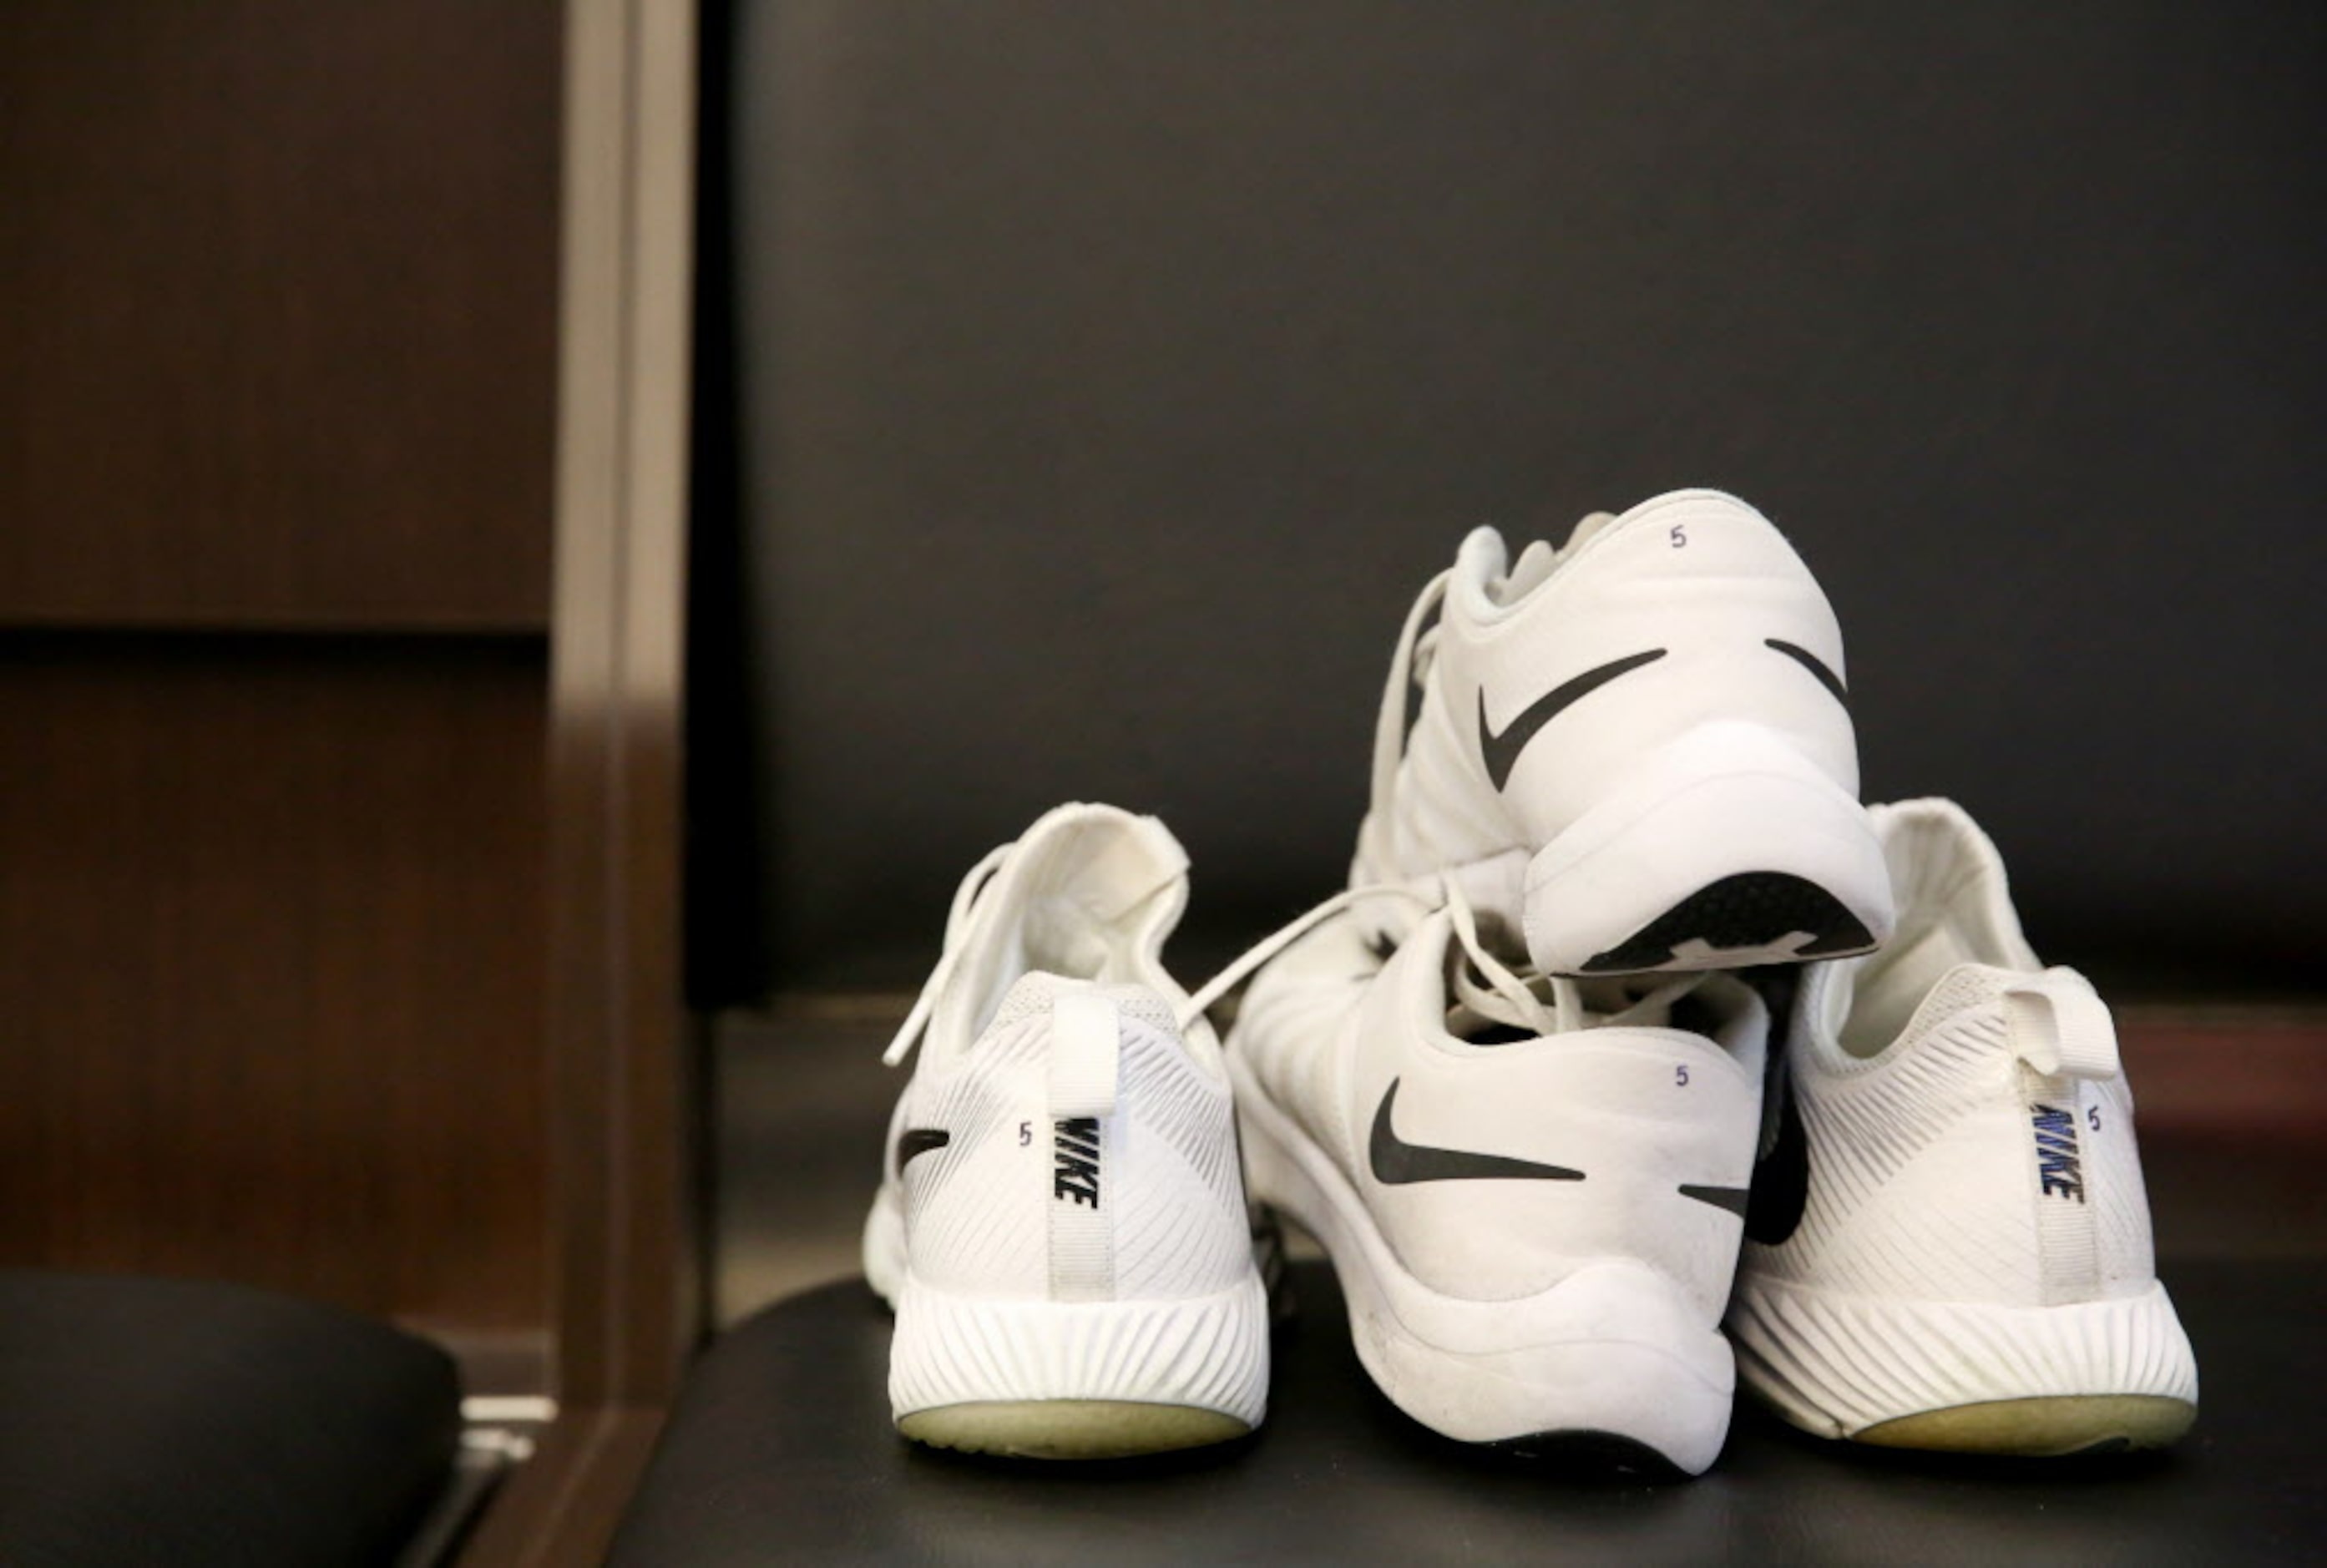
(1071, 918)
(1921, 1074)
(1697, 573)
(1641, 1111)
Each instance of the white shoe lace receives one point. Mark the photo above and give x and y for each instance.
(1416, 649)
(958, 918)
(1536, 1005)
(1506, 998)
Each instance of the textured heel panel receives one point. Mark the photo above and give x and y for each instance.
(1615, 1356)
(1880, 1371)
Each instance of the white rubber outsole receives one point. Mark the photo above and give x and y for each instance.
(1079, 1379)
(1611, 1351)
(1066, 1380)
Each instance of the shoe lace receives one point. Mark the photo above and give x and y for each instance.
(1535, 1004)
(1292, 931)
(1417, 647)
(958, 921)
(1482, 983)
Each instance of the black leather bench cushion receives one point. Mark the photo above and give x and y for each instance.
(173, 1423)
(782, 1451)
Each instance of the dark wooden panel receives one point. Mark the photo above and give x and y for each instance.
(271, 967)
(281, 284)
(624, 1101)
(623, 1096)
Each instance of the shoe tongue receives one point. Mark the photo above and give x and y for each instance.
(1105, 860)
(1101, 860)
(1083, 886)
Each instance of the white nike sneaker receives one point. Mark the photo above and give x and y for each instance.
(1948, 1244)
(1061, 1226)
(1634, 749)
(1534, 1210)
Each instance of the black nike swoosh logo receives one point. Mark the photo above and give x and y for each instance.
(1398, 1162)
(1781, 1178)
(1815, 665)
(915, 1140)
(1500, 753)
(1732, 1198)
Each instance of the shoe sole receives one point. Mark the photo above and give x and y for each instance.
(1067, 1380)
(1611, 1360)
(1755, 917)
(1070, 1429)
(1611, 1455)
(1968, 1377)
(1726, 850)
(1046, 1379)
(2063, 1426)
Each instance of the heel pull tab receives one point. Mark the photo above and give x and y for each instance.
(1085, 1144)
(1086, 1056)
(2060, 1027)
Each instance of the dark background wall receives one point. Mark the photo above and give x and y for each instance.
(1089, 388)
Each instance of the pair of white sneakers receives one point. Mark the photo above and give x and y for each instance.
(1504, 1080)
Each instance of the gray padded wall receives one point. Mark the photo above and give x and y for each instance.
(1106, 380)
